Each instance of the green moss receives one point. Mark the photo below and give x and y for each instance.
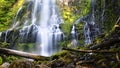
(110, 15)
(59, 55)
(119, 3)
(1, 61)
(72, 12)
(11, 58)
(4, 45)
(27, 47)
(7, 12)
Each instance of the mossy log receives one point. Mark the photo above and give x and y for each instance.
(89, 51)
(106, 43)
(22, 54)
(95, 51)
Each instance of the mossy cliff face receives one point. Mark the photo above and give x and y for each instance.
(71, 10)
(111, 13)
(106, 13)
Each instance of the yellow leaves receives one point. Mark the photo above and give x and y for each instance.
(67, 14)
(2, 3)
(17, 5)
(71, 19)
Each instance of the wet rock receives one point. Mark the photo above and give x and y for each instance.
(5, 65)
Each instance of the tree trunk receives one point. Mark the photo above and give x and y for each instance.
(22, 54)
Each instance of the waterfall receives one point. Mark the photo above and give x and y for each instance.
(49, 32)
(91, 28)
(74, 37)
(87, 32)
(41, 26)
(6, 35)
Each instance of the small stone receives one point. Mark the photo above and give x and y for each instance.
(5, 65)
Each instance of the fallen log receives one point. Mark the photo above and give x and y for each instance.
(22, 54)
(89, 51)
(106, 43)
(94, 51)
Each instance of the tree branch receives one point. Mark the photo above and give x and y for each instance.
(89, 51)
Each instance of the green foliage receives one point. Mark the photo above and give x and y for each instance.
(8, 9)
(28, 47)
(64, 56)
(73, 11)
(1, 60)
(4, 45)
(11, 58)
(80, 31)
(66, 27)
(7, 58)
(64, 43)
(111, 15)
(119, 3)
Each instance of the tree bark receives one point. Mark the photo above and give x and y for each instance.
(89, 51)
(22, 54)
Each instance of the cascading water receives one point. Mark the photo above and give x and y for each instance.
(49, 32)
(91, 29)
(87, 32)
(6, 34)
(41, 26)
(74, 38)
